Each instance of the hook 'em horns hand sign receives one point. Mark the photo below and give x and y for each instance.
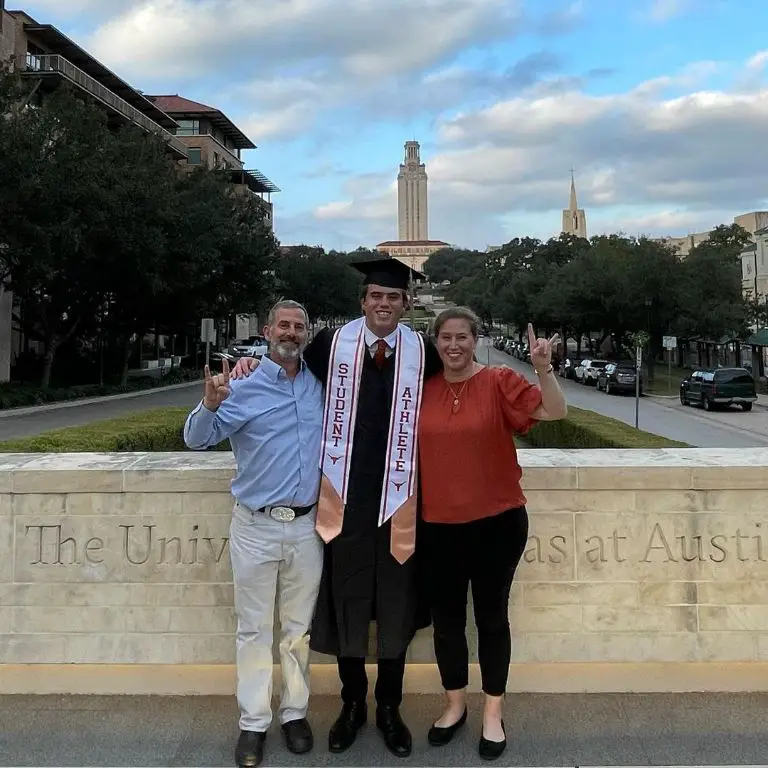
(216, 388)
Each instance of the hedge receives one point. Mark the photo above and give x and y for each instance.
(155, 430)
(587, 429)
(161, 430)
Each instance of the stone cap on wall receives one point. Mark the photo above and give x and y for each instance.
(212, 471)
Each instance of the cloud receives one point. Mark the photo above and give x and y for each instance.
(102, 8)
(324, 170)
(443, 89)
(664, 10)
(645, 160)
(562, 21)
(302, 58)
(757, 62)
(376, 38)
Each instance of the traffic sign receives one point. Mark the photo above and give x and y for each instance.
(207, 330)
(669, 342)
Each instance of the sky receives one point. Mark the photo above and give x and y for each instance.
(660, 107)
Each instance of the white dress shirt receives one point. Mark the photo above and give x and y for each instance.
(372, 341)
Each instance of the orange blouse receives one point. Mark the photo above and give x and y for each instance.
(467, 460)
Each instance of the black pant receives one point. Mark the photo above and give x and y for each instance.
(389, 682)
(483, 554)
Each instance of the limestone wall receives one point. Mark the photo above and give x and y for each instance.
(645, 570)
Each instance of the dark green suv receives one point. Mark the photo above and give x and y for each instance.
(719, 387)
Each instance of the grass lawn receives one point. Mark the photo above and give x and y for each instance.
(161, 430)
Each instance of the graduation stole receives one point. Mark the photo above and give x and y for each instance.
(398, 494)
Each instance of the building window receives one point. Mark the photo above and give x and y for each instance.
(194, 156)
(188, 128)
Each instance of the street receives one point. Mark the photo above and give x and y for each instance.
(75, 415)
(666, 417)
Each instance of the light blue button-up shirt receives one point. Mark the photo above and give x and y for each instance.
(274, 424)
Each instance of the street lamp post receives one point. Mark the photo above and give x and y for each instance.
(639, 340)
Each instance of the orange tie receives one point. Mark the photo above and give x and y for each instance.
(381, 353)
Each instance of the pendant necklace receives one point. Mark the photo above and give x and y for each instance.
(456, 397)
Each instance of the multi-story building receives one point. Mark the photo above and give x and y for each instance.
(213, 141)
(412, 198)
(754, 267)
(752, 222)
(414, 246)
(47, 58)
(413, 253)
(202, 135)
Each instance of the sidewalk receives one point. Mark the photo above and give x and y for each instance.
(543, 730)
(46, 407)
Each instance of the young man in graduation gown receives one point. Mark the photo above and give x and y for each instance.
(374, 368)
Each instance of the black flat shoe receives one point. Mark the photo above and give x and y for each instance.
(490, 750)
(439, 736)
(344, 731)
(298, 736)
(396, 735)
(249, 751)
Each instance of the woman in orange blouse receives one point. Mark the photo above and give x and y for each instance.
(475, 521)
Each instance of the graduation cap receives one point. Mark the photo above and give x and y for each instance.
(388, 273)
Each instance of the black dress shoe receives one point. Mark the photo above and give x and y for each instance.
(298, 736)
(344, 731)
(490, 750)
(250, 749)
(397, 737)
(439, 736)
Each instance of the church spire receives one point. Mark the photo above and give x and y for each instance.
(573, 206)
(574, 218)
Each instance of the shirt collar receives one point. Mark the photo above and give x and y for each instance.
(275, 371)
(371, 338)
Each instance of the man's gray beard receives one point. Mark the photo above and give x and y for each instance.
(288, 351)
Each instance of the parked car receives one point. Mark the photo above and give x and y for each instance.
(719, 387)
(255, 346)
(619, 377)
(587, 370)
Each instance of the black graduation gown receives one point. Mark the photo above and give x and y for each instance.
(361, 581)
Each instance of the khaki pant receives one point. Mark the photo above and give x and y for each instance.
(273, 563)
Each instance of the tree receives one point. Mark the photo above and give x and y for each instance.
(453, 264)
(55, 155)
(108, 239)
(323, 282)
(712, 304)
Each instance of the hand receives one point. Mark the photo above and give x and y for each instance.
(541, 350)
(244, 367)
(216, 388)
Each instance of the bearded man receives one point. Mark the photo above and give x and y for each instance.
(274, 421)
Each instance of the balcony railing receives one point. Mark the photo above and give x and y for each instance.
(60, 65)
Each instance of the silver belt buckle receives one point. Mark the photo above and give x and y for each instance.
(283, 514)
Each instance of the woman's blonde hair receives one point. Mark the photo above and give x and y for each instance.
(458, 313)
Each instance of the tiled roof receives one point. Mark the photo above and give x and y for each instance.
(176, 103)
(180, 108)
